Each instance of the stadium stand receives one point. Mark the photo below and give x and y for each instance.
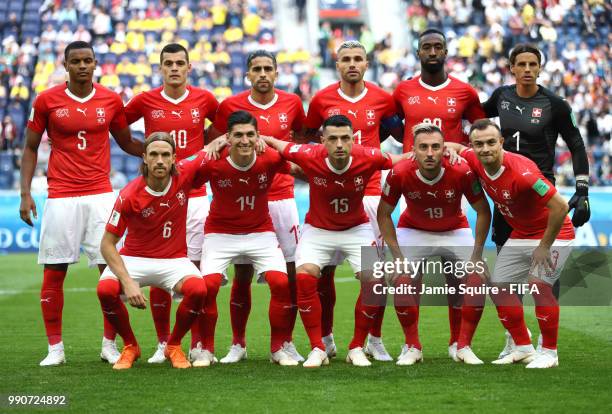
(128, 35)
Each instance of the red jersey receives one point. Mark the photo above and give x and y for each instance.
(285, 113)
(156, 221)
(445, 106)
(520, 192)
(78, 129)
(182, 118)
(240, 201)
(365, 112)
(432, 205)
(336, 196)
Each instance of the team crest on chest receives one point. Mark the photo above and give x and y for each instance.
(506, 195)
(157, 114)
(148, 212)
(282, 117)
(225, 183)
(333, 111)
(101, 115)
(449, 194)
(262, 178)
(181, 197)
(62, 113)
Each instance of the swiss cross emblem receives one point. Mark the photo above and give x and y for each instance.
(100, 112)
(181, 197)
(449, 193)
(262, 178)
(283, 117)
(451, 101)
(334, 111)
(195, 113)
(506, 194)
(358, 180)
(536, 112)
(157, 113)
(370, 114)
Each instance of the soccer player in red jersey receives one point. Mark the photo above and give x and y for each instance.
(538, 247)
(279, 114)
(179, 109)
(435, 97)
(433, 224)
(239, 225)
(78, 117)
(153, 210)
(369, 108)
(338, 172)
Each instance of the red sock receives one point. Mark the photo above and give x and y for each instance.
(310, 308)
(280, 308)
(547, 313)
(194, 295)
(109, 331)
(376, 329)
(454, 321)
(114, 309)
(327, 297)
(510, 313)
(160, 302)
(208, 318)
(240, 307)
(471, 312)
(294, 310)
(364, 318)
(407, 311)
(52, 303)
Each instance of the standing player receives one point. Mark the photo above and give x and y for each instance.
(338, 172)
(369, 108)
(531, 119)
(538, 246)
(78, 117)
(153, 210)
(278, 114)
(433, 224)
(239, 225)
(180, 110)
(434, 97)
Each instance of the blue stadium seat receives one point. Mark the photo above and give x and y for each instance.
(6, 162)
(118, 162)
(6, 180)
(132, 164)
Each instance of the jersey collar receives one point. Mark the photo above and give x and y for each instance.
(339, 172)
(260, 106)
(356, 98)
(497, 174)
(435, 88)
(240, 168)
(159, 193)
(431, 182)
(76, 98)
(175, 101)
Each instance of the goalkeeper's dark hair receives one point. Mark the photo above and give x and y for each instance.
(260, 53)
(154, 137)
(79, 44)
(240, 118)
(525, 48)
(173, 48)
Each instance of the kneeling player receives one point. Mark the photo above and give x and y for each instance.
(153, 210)
(239, 226)
(434, 225)
(337, 171)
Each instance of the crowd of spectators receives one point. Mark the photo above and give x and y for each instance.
(128, 35)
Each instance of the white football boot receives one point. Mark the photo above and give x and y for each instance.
(540, 339)
(316, 358)
(409, 356)
(376, 349)
(291, 350)
(521, 353)
(55, 356)
(546, 358)
(467, 356)
(109, 352)
(330, 345)
(358, 358)
(159, 356)
(282, 358)
(202, 358)
(236, 354)
(452, 351)
(510, 345)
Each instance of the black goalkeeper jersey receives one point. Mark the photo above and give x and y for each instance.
(530, 127)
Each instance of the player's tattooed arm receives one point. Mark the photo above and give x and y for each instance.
(132, 291)
(557, 210)
(28, 165)
(127, 143)
(387, 228)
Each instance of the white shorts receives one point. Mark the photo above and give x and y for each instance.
(70, 223)
(513, 263)
(318, 246)
(162, 273)
(197, 211)
(450, 245)
(260, 249)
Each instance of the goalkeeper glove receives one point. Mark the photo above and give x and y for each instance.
(580, 202)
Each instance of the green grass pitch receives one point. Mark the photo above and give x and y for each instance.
(581, 383)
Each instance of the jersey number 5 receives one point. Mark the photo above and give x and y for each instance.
(82, 144)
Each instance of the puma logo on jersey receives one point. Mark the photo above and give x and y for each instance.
(194, 312)
(433, 194)
(178, 114)
(353, 113)
(83, 111)
(265, 118)
(166, 204)
(519, 108)
(340, 183)
(244, 180)
(434, 100)
(108, 312)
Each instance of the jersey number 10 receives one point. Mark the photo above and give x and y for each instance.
(180, 138)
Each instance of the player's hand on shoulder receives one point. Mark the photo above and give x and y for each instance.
(134, 295)
(213, 150)
(27, 205)
(260, 145)
(453, 156)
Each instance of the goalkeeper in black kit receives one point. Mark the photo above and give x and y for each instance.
(531, 119)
